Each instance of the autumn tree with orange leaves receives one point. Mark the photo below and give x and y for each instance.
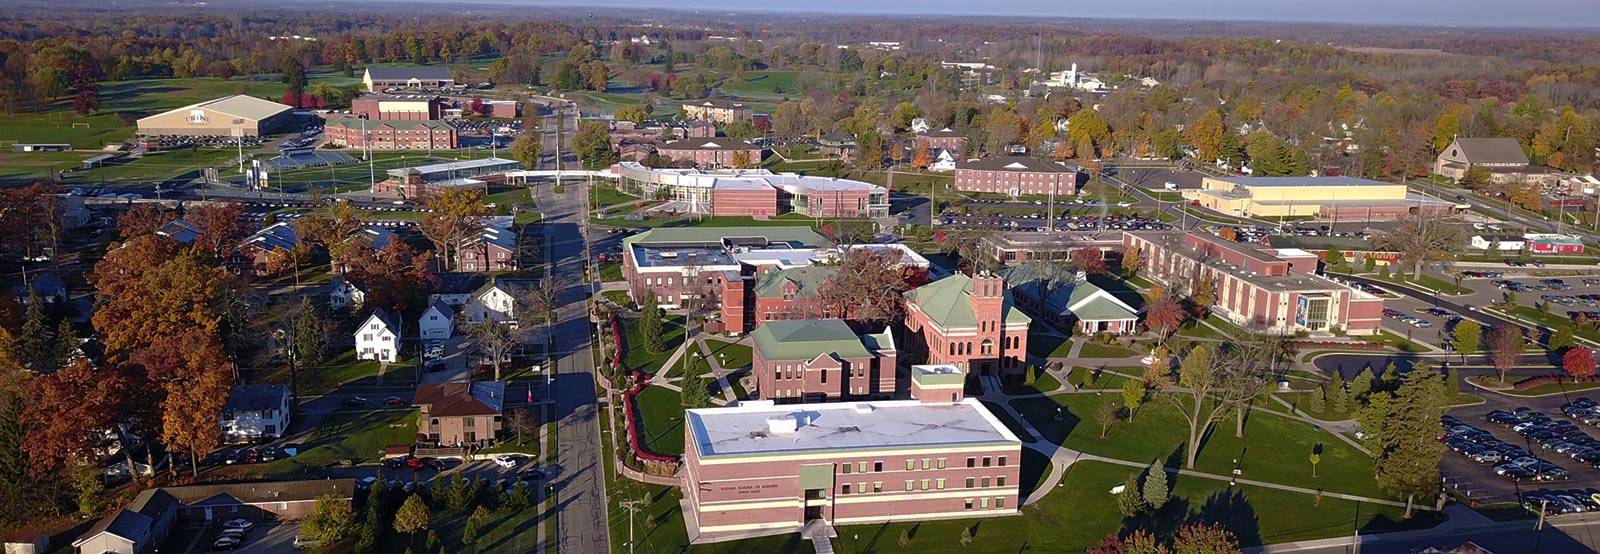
(146, 297)
(143, 219)
(923, 158)
(219, 227)
(193, 376)
(68, 415)
(396, 278)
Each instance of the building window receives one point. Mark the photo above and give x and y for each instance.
(1000, 502)
(877, 486)
(910, 485)
(911, 464)
(941, 463)
(846, 468)
(861, 467)
(971, 462)
(927, 464)
(969, 504)
(969, 482)
(845, 489)
(984, 503)
(985, 482)
(861, 488)
(1000, 481)
(877, 467)
(939, 484)
(925, 483)
(1002, 461)
(985, 461)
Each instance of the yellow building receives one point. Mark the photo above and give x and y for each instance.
(1309, 197)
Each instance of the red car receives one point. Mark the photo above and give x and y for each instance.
(393, 401)
(415, 463)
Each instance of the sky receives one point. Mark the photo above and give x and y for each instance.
(1457, 13)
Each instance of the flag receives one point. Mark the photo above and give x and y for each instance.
(530, 394)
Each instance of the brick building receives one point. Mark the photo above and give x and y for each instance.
(494, 248)
(711, 152)
(1276, 290)
(746, 192)
(942, 139)
(731, 197)
(690, 264)
(821, 360)
(505, 109)
(459, 413)
(425, 180)
(774, 293)
(1015, 175)
(399, 107)
(390, 134)
(968, 322)
(759, 468)
(720, 111)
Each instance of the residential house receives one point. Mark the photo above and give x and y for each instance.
(969, 322)
(344, 294)
(1077, 304)
(260, 252)
(51, 289)
(255, 413)
(492, 249)
(456, 289)
(179, 230)
(496, 300)
(459, 413)
(437, 322)
(821, 360)
(378, 338)
(376, 237)
(943, 161)
(136, 529)
(258, 500)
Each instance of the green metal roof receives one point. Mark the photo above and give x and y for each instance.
(1082, 299)
(714, 235)
(948, 302)
(804, 339)
(807, 279)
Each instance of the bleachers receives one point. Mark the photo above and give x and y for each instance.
(300, 159)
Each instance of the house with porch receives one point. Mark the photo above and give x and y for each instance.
(1076, 304)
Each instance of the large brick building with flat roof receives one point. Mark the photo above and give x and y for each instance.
(969, 322)
(821, 360)
(1341, 198)
(1015, 176)
(720, 111)
(746, 192)
(685, 265)
(759, 468)
(1275, 290)
(405, 107)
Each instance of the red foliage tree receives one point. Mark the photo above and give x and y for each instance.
(291, 99)
(1089, 259)
(396, 278)
(1164, 315)
(220, 227)
(69, 414)
(477, 105)
(1579, 363)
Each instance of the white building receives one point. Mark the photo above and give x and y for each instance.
(345, 295)
(437, 322)
(1499, 243)
(496, 301)
(943, 160)
(256, 412)
(378, 338)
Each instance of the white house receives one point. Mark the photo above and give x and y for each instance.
(496, 300)
(1500, 243)
(943, 160)
(437, 322)
(256, 412)
(345, 295)
(378, 338)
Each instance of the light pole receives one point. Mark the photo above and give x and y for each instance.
(632, 506)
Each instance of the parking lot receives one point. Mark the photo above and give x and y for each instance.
(1554, 451)
(1036, 222)
(1420, 320)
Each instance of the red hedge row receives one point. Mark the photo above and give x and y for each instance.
(629, 407)
(1532, 382)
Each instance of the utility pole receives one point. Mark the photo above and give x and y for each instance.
(632, 506)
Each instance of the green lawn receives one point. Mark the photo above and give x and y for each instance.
(641, 359)
(606, 196)
(730, 355)
(342, 371)
(1100, 378)
(762, 84)
(1049, 346)
(1274, 449)
(1553, 321)
(619, 296)
(1426, 282)
(611, 271)
(357, 436)
(1010, 422)
(1092, 349)
(1553, 388)
(1302, 401)
(1393, 341)
(1080, 512)
(661, 420)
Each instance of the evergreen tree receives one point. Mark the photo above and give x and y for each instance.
(13, 460)
(66, 344)
(1336, 392)
(36, 343)
(1155, 491)
(696, 389)
(1130, 502)
(1317, 404)
(1361, 385)
(650, 323)
(1370, 419)
(1391, 377)
(1408, 463)
(310, 340)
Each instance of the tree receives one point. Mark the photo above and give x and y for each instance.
(1205, 134)
(494, 339)
(1164, 315)
(1154, 491)
(36, 345)
(310, 339)
(1089, 134)
(1408, 462)
(1158, 374)
(469, 530)
(219, 227)
(1130, 502)
(1421, 239)
(1106, 415)
(593, 145)
(413, 515)
(1505, 347)
(741, 159)
(194, 376)
(902, 115)
(1361, 384)
(144, 300)
(868, 286)
(649, 323)
(634, 113)
(1211, 389)
(330, 519)
(1089, 259)
(1132, 261)
(1562, 338)
(696, 391)
(449, 218)
(1370, 419)
(1579, 363)
(1318, 401)
(1466, 336)
(395, 278)
(68, 414)
(1205, 539)
(922, 158)
(1204, 295)
(336, 227)
(1336, 393)
(521, 422)
(527, 149)
(1132, 397)
(143, 219)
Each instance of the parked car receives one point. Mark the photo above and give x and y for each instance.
(394, 401)
(238, 523)
(507, 461)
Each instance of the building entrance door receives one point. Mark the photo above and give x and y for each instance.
(813, 513)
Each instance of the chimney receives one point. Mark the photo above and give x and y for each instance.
(937, 384)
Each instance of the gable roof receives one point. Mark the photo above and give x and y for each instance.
(134, 523)
(717, 103)
(942, 133)
(46, 284)
(1502, 150)
(239, 105)
(441, 307)
(458, 399)
(385, 317)
(261, 491)
(808, 279)
(948, 302)
(406, 73)
(806, 339)
(377, 237)
(257, 398)
(278, 236)
(1014, 163)
(179, 230)
(707, 143)
(509, 286)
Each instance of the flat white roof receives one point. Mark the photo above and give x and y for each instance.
(1292, 252)
(843, 426)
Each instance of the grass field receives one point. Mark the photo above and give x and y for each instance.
(358, 436)
(1274, 448)
(641, 359)
(761, 84)
(730, 355)
(661, 420)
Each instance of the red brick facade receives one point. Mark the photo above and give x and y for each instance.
(710, 152)
(391, 135)
(1015, 176)
(992, 346)
(744, 201)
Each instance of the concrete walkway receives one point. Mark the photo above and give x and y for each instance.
(719, 371)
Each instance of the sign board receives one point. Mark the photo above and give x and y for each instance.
(1302, 307)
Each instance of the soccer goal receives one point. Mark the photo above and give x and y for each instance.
(80, 125)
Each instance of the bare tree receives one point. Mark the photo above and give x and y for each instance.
(868, 287)
(1208, 389)
(494, 339)
(1421, 239)
(537, 306)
